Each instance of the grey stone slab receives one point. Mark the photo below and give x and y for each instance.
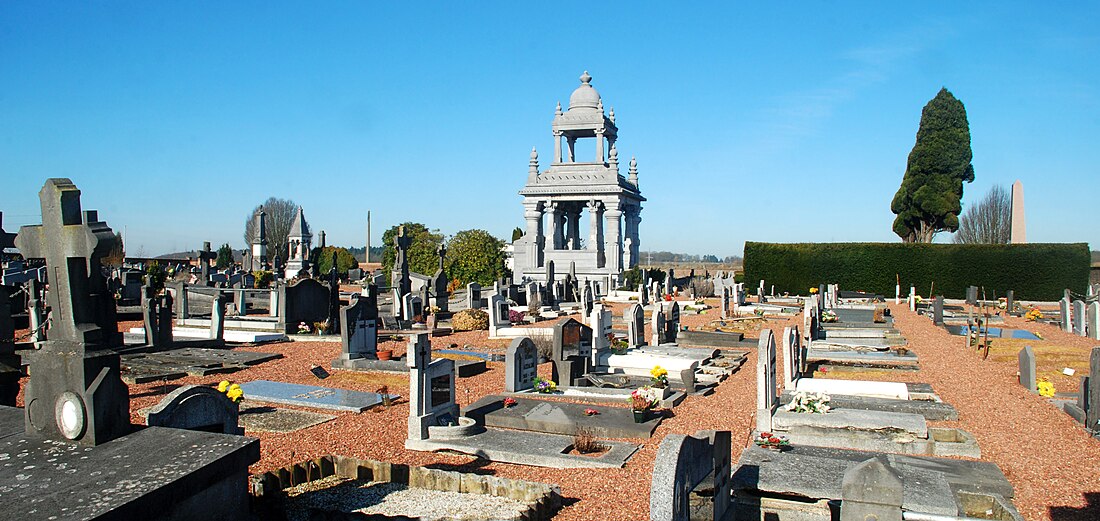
(817, 473)
(852, 420)
(463, 368)
(931, 410)
(263, 418)
(529, 448)
(310, 396)
(147, 471)
(860, 358)
(710, 339)
(556, 417)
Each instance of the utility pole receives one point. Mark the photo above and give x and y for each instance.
(367, 254)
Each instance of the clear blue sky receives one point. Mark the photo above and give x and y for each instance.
(785, 123)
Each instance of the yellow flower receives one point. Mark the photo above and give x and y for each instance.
(658, 371)
(1046, 388)
(813, 291)
(235, 393)
(223, 386)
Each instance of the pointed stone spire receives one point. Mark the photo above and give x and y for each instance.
(611, 116)
(261, 227)
(585, 78)
(599, 105)
(533, 168)
(557, 112)
(633, 172)
(613, 158)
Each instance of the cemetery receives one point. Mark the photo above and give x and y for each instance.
(559, 375)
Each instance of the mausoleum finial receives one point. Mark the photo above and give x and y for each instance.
(613, 158)
(558, 111)
(585, 78)
(611, 116)
(533, 169)
(633, 172)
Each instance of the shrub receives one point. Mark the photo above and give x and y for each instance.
(1033, 271)
(585, 442)
(263, 279)
(470, 320)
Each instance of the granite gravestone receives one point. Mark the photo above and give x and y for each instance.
(1094, 320)
(937, 311)
(1027, 369)
(871, 491)
(681, 464)
(520, 365)
(76, 392)
(767, 397)
(658, 326)
(1079, 318)
(439, 283)
(792, 355)
(602, 334)
(635, 326)
(1010, 301)
(196, 408)
(572, 350)
(305, 300)
(359, 326)
(473, 296)
(672, 321)
(431, 389)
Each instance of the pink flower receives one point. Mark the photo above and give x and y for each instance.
(591, 412)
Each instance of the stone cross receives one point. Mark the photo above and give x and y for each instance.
(400, 275)
(419, 351)
(73, 242)
(205, 256)
(75, 392)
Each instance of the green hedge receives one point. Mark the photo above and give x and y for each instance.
(1032, 271)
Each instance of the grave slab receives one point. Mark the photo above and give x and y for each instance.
(931, 410)
(264, 418)
(126, 478)
(852, 420)
(529, 448)
(716, 339)
(894, 390)
(310, 396)
(556, 417)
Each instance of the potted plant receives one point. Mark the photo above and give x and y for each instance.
(545, 386)
(619, 346)
(385, 354)
(659, 377)
(640, 404)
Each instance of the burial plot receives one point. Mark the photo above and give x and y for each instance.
(189, 361)
(572, 351)
(681, 464)
(553, 417)
(195, 408)
(311, 396)
(520, 365)
(304, 301)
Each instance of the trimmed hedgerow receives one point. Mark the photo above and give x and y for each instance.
(1032, 271)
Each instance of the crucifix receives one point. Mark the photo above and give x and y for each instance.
(205, 256)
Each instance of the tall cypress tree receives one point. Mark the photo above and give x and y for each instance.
(929, 200)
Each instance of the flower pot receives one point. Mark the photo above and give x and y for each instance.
(385, 354)
(639, 416)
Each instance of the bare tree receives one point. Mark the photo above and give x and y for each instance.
(279, 216)
(989, 221)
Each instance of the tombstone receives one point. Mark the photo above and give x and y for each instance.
(355, 275)
(521, 364)
(75, 392)
(1093, 326)
(217, 318)
(672, 321)
(1010, 301)
(498, 313)
(792, 354)
(572, 350)
(912, 298)
(1027, 369)
(600, 321)
(196, 408)
(1063, 308)
(634, 316)
(412, 308)
(550, 297)
(643, 295)
(395, 297)
(760, 292)
(870, 491)
(767, 397)
(473, 296)
(304, 300)
(657, 324)
(937, 311)
(205, 255)
(359, 327)
(587, 301)
(1079, 318)
(431, 388)
(681, 464)
(668, 281)
(725, 302)
(972, 295)
(1092, 392)
(399, 277)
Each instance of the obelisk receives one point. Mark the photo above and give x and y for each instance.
(1018, 233)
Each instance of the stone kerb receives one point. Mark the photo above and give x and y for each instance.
(767, 398)
(682, 462)
(1027, 369)
(196, 408)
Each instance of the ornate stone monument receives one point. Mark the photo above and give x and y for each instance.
(1017, 228)
(75, 393)
(299, 242)
(555, 199)
(258, 259)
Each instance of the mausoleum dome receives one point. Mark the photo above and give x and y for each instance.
(585, 97)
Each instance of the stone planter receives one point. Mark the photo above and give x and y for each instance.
(640, 416)
(466, 427)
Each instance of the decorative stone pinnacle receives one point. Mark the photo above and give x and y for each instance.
(585, 78)
(599, 105)
(534, 155)
(557, 112)
(612, 114)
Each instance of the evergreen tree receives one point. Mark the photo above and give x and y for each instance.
(929, 200)
(225, 257)
(423, 257)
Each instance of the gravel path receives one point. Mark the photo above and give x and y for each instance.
(391, 499)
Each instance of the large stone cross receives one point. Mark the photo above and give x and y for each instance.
(205, 256)
(72, 242)
(7, 240)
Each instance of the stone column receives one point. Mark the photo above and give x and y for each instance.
(533, 213)
(572, 229)
(552, 226)
(614, 242)
(557, 146)
(599, 145)
(571, 142)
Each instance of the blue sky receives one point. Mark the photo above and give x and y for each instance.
(783, 122)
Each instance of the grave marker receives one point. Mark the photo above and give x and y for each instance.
(1027, 369)
(473, 296)
(1094, 321)
(1063, 309)
(767, 397)
(792, 351)
(196, 408)
(1079, 318)
(520, 365)
(657, 323)
(681, 464)
(572, 350)
(870, 491)
(359, 326)
(634, 316)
